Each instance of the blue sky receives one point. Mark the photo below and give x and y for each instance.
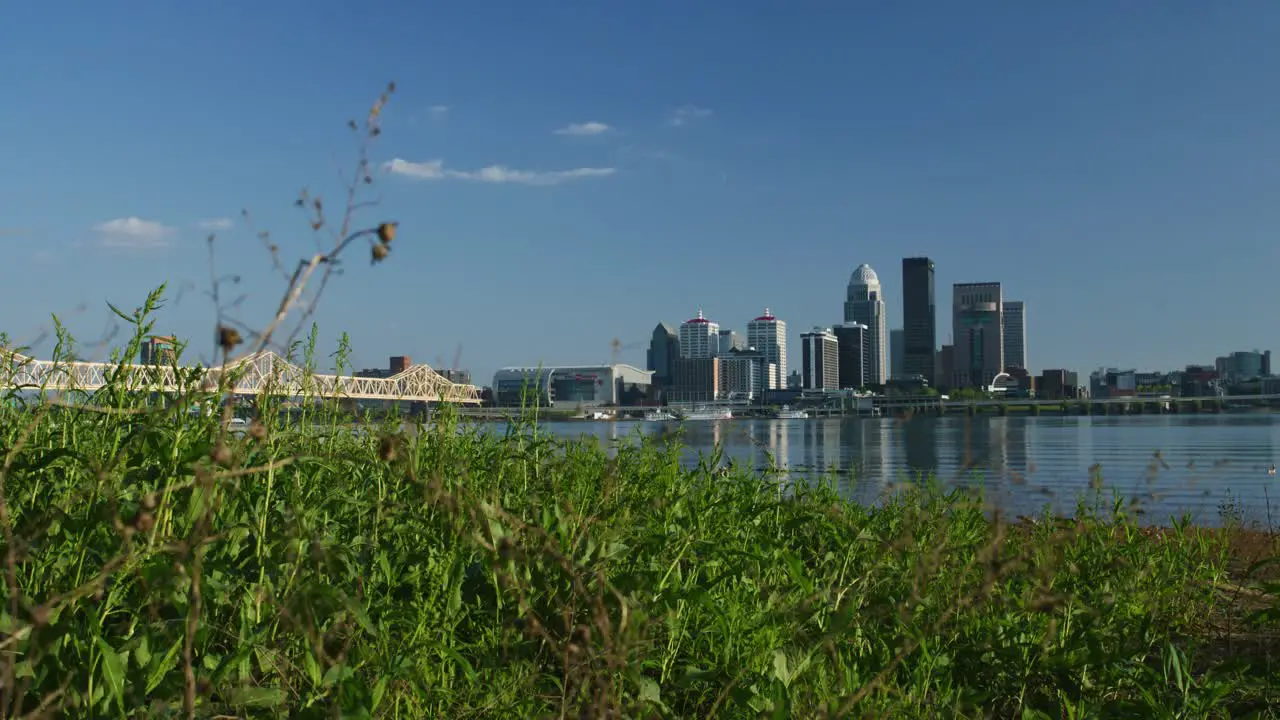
(1115, 165)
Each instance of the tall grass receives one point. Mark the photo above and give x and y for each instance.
(154, 562)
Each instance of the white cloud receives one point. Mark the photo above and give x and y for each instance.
(586, 128)
(132, 232)
(216, 224)
(438, 111)
(686, 114)
(435, 170)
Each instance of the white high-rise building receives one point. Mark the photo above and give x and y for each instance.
(699, 338)
(820, 360)
(864, 303)
(768, 335)
(1015, 334)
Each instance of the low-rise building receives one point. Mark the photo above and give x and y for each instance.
(1058, 384)
(571, 386)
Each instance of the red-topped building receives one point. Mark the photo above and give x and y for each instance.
(699, 337)
(768, 335)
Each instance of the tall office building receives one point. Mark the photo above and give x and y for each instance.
(664, 349)
(699, 338)
(919, 319)
(864, 304)
(768, 335)
(852, 352)
(896, 354)
(977, 334)
(1015, 334)
(820, 361)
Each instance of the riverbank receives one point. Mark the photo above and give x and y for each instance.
(452, 573)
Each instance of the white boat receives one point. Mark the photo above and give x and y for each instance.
(787, 413)
(709, 414)
(658, 416)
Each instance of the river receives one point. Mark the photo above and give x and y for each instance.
(1210, 467)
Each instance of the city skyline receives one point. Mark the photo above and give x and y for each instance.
(550, 171)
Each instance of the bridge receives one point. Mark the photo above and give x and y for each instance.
(260, 373)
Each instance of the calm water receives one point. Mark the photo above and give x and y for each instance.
(1206, 462)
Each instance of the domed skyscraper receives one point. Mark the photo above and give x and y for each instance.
(864, 303)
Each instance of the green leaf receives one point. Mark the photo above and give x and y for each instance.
(142, 655)
(780, 667)
(113, 672)
(650, 692)
(160, 669)
(313, 668)
(257, 696)
(379, 691)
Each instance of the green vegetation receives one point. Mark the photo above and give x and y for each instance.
(156, 562)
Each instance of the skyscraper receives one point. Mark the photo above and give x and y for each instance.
(852, 353)
(919, 319)
(1015, 334)
(819, 360)
(864, 303)
(664, 348)
(978, 337)
(895, 354)
(699, 338)
(768, 335)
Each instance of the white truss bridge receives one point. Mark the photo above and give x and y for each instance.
(257, 374)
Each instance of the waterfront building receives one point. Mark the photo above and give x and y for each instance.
(853, 351)
(571, 386)
(919, 319)
(664, 349)
(699, 337)
(820, 363)
(1014, 315)
(945, 367)
(768, 335)
(745, 374)
(697, 380)
(896, 354)
(1057, 384)
(864, 304)
(977, 332)
(1243, 365)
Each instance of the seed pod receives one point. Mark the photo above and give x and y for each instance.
(387, 231)
(257, 430)
(221, 455)
(228, 338)
(380, 251)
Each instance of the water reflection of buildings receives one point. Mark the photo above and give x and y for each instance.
(820, 440)
(770, 445)
(920, 446)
